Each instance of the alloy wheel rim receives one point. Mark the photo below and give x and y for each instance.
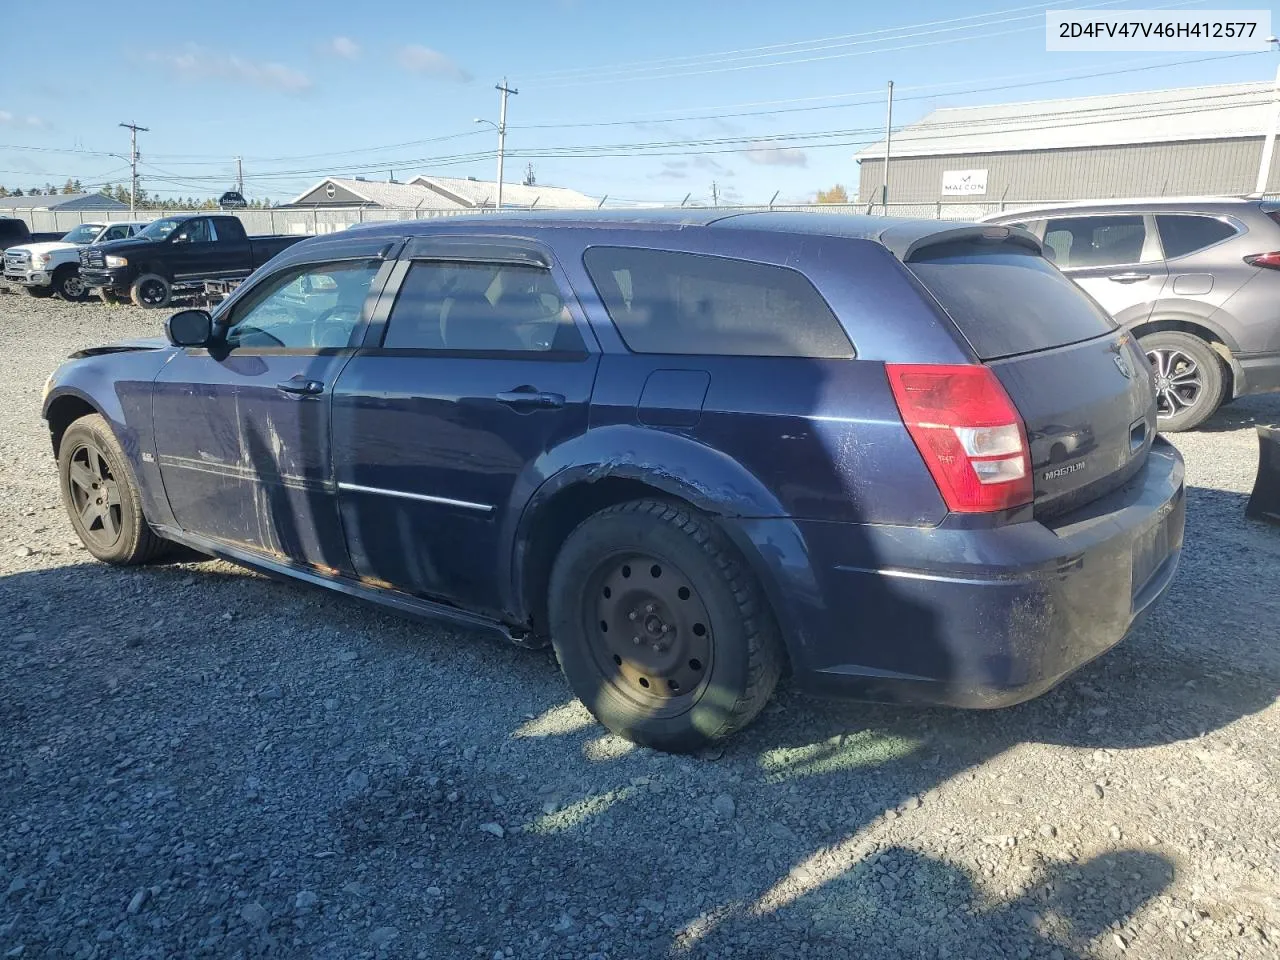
(73, 287)
(651, 632)
(95, 496)
(1178, 381)
(152, 292)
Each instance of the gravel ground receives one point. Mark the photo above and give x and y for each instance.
(198, 761)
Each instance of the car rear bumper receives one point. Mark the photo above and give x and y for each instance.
(1261, 372)
(28, 278)
(970, 617)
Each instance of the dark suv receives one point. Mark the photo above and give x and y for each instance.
(904, 459)
(1196, 281)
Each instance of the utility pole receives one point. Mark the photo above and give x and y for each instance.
(239, 177)
(1269, 144)
(888, 140)
(502, 132)
(715, 194)
(134, 130)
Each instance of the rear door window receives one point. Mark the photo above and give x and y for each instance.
(685, 303)
(1181, 234)
(1095, 241)
(481, 307)
(1007, 300)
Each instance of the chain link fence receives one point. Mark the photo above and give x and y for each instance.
(302, 221)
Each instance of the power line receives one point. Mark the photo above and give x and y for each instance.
(605, 76)
(765, 50)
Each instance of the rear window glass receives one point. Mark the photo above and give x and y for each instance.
(1095, 241)
(664, 302)
(1008, 301)
(1182, 234)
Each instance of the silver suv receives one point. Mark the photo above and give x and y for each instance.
(1197, 281)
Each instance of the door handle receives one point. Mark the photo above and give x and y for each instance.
(300, 386)
(1128, 277)
(527, 398)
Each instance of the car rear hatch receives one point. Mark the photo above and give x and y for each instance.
(1081, 385)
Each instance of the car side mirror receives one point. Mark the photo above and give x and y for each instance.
(189, 328)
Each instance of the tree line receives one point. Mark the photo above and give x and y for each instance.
(145, 199)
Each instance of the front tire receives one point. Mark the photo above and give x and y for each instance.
(660, 627)
(151, 290)
(101, 495)
(1190, 380)
(68, 285)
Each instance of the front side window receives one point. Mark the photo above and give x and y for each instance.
(82, 234)
(1095, 241)
(1182, 234)
(159, 229)
(480, 307)
(687, 303)
(317, 306)
(199, 230)
(116, 233)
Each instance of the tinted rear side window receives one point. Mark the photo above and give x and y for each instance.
(1008, 300)
(1182, 234)
(664, 302)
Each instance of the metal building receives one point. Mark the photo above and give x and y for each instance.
(1188, 141)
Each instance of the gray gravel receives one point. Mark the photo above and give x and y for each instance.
(197, 761)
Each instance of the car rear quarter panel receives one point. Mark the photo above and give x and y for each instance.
(118, 386)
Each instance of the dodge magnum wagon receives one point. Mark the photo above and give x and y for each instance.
(896, 459)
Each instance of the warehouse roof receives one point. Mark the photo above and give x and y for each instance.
(62, 201)
(1152, 116)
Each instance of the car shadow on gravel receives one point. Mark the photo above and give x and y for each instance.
(1259, 410)
(807, 835)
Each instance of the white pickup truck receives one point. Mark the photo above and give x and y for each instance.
(47, 268)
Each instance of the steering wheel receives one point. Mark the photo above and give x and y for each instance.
(326, 324)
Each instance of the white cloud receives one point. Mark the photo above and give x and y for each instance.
(776, 156)
(33, 122)
(343, 47)
(195, 63)
(419, 59)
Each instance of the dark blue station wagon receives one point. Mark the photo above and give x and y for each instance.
(900, 459)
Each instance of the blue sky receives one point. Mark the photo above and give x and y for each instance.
(306, 90)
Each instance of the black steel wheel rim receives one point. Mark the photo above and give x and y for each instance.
(152, 292)
(650, 632)
(1178, 379)
(95, 496)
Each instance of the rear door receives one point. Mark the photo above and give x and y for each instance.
(1115, 258)
(484, 363)
(1082, 386)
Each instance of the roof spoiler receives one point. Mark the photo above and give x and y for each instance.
(907, 240)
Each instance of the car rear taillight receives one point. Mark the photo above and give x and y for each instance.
(969, 433)
(1269, 260)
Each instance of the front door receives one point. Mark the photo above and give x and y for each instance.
(1114, 258)
(242, 428)
(441, 423)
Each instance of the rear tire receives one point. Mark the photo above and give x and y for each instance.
(68, 285)
(151, 290)
(39, 293)
(1189, 376)
(101, 495)
(709, 654)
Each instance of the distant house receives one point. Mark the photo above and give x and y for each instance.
(474, 193)
(59, 202)
(438, 193)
